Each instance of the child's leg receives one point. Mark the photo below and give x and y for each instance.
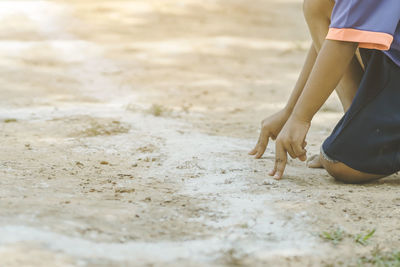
(365, 144)
(344, 173)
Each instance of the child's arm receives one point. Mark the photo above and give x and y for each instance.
(301, 82)
(271, 126)
(331, 63)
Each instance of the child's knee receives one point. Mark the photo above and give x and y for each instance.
(336, 170)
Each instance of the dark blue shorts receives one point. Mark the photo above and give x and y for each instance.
(367, 138)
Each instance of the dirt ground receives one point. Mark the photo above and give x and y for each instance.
(124, 132)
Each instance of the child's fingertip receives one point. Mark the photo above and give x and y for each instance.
(253, 151)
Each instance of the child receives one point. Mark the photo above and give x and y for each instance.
(365, 144)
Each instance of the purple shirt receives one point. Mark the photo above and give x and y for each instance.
(374, 24)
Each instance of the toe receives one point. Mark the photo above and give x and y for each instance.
(314, 162)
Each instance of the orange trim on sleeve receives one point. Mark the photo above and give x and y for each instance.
(366, 39)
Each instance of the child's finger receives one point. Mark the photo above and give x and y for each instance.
(272, 172)
(304, 144)
(254, 150)
(280, 161)
(290, 151)
(303, 157)
(299, 151)
(262, 146)
(261, 151)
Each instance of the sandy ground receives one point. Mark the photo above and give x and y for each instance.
(125, 127)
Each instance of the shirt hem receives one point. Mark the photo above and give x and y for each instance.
(366, 39)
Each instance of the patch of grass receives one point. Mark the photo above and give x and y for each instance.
(335, 236)
(381, 259)
(10, 120)
(157, 110)
(363, 238)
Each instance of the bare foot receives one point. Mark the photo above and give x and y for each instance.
(314, 162)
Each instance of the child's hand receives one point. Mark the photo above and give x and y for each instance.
(270, 128)
(290, 140)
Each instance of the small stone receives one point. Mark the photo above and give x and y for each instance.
(124, 190)
(104, 162)
(79, 164)
(266, 182)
